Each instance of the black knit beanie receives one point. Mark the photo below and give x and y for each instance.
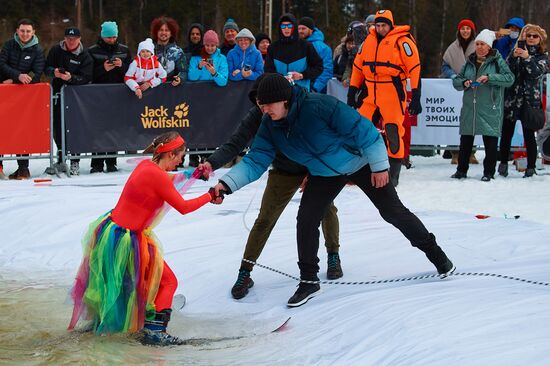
(308, 22)
(274, 88)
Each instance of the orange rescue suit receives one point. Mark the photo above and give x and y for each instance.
(384, 66)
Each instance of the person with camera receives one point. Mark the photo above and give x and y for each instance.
(68, 63)
(111, 61)
(210, 64)
(483, 79)
(245, 61)
(529, 63)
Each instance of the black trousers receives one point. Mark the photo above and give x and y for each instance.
(321, 191)
(508, 127)
(490, 161)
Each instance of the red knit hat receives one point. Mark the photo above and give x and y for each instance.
(468, 23)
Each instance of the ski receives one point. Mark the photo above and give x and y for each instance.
(205, 341)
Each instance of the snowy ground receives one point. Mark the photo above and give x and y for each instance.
(457, 321)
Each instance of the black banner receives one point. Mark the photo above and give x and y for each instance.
(109, 117)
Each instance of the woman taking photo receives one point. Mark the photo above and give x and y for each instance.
(483, 79)
(529, 63)
(124, 284)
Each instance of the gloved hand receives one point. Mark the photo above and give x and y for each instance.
(216, 197)
(414, 106)
(356, 96)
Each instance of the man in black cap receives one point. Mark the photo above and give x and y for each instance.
(68, 63)
(283, 181)
(337, 145)
(309, 32)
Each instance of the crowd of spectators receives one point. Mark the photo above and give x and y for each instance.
(298, 52)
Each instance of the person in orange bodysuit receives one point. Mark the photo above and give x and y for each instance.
(387, 58)
(124, 284)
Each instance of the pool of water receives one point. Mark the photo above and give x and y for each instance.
(34, 313)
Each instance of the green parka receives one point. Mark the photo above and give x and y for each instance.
(482, 106)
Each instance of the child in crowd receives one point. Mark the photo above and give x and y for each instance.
(210, 64)
(145, 71)
(244, 60)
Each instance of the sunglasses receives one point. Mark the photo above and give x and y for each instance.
(289, 26)
(535, 36)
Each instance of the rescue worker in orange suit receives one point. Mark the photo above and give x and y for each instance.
(387, 58)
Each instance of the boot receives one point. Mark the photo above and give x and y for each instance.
(154, 331)
(20, 174)
(2, 175)
(75, 168)
(503, 169)
(395, 169)
(334, 268)
(459, 175)
(529, 172)
(437, 256)
(473, 159)
(241, 286)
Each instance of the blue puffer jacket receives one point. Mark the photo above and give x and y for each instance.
(321, 133)
(237, 58)
(317, 39)
(220, 64)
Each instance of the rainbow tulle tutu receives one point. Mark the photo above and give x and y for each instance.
(118, 278)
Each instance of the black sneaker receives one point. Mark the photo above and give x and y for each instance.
(503, 169)
(334, 268)
(529, 173)
(96, 170)
(487, 178)
(446, 270)
(458, 175)
(304, 292)
(159, 338)
(241, 286)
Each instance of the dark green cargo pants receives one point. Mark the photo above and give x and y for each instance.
(279, 190)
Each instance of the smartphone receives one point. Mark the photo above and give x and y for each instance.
(246, 67)
(475, 84)
(61, 70)
(521, 44)
(111, 60)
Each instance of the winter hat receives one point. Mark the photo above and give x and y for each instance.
(109, 29)
(486, 36)
(253, 93)
(72, 32)
(274, 88)
(146, 45)
(211, 37)
(245, 33)
(260, 37)
(384, 16)
(369, 19)
(466, 22)
(230, 24)
(308, 22)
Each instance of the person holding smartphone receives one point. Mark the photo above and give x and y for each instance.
(210, 64)
(245, 61)
(529, 63)
(483, 79)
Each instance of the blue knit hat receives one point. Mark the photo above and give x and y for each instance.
(230, 24)
(109, 29)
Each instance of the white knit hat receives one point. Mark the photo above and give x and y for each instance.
(147, 45)
(486, 36)
(245, 33)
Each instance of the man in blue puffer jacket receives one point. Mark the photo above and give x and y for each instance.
(337, 145)
(309, 32)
